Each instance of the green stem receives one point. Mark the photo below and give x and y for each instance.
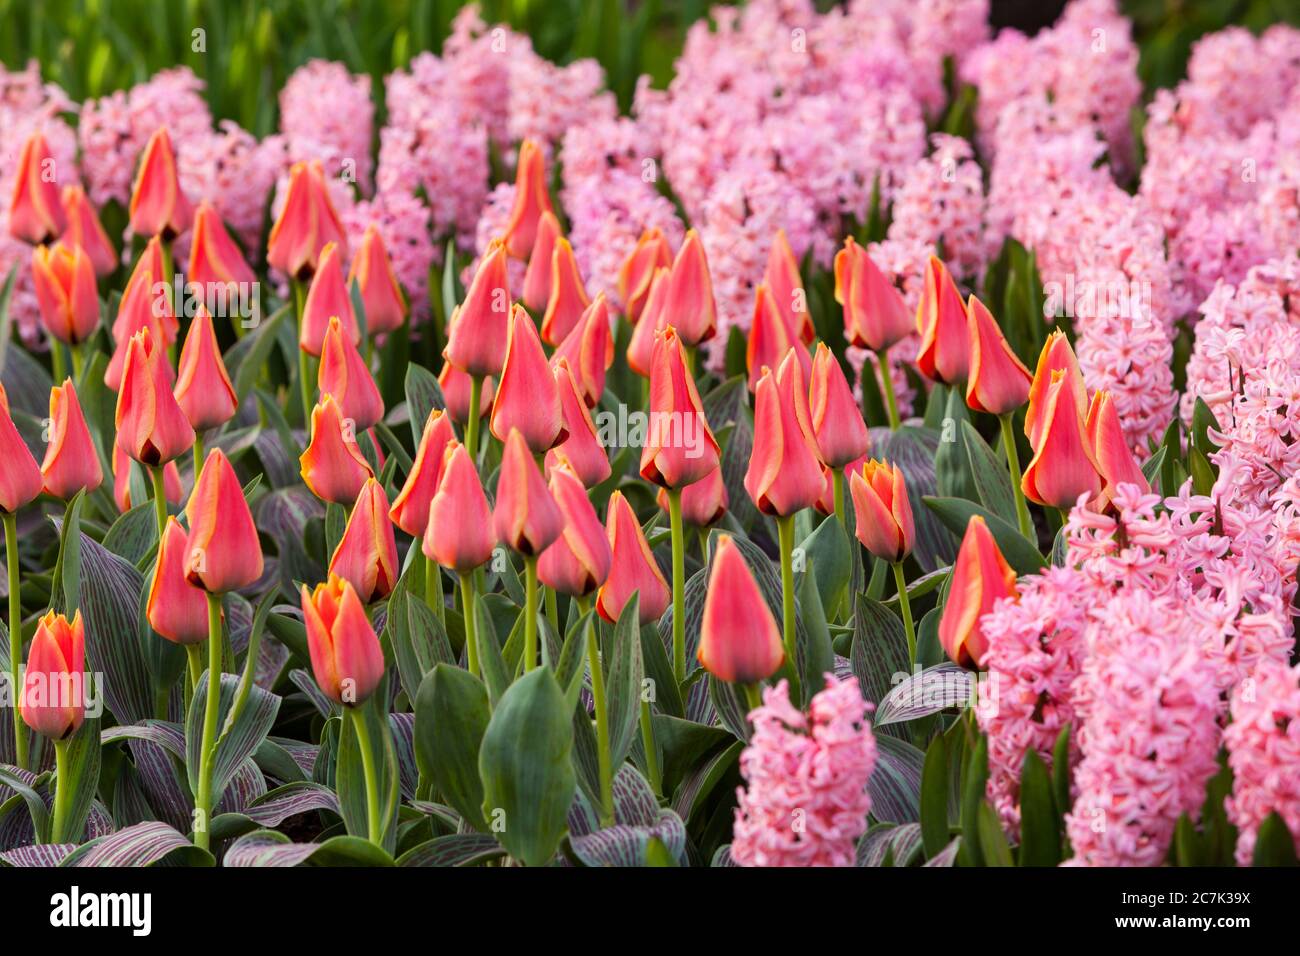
(471, 425)
(78, 361)
(15, 637)
(433, 588)
(651, 753)
(468, 601)
(887, 381)
(211, 711)
(374, 819)
(785, 536)
(690, 360)
(837, 479)
(304, 383)
(1013, 465)
(530, 613)
(62, 794)
(199, 454)
(905, 606)
(553, 610)
(196, 664)
(753, 697)
(159, 497)
(679, 584)
(602, 724)
(58, 370)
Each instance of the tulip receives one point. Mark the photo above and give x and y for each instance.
(836, 421)
(35, 213)
(137, 312)
(1064, 466)
(980, 576)
(64, 281)
(456, 392)
(781, 276)
(770, 339)
(945, 331)
(410, 510)
(651, 254)
(332, 466)
(216, 263)
(176, 608)
(460, 533)
(739, 641)
(344, 374)
(71, 460)
(366, 555)
(53, 699)
(540, 274)
(633, 569)
(1056, 356)
(527, 399)
(703, 503)
(158, 204)
(532, 200)
(147, 293)
(568, 300)
(476, 343)
(224, 551)
(831, 500)
(581, 451)
(1114, 458)
(589, 350)
(884, 525)
(875, 315)
(86, 232)
(122, 465)
(785, 474)
(578, 561)
(641, 348)
(203, 388)
(381, 293)
(680, 449)
(689, 304)
(327, 298)
(306, 225)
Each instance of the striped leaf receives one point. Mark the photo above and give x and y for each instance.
(269, 848)
(929, 692)
(239, 742)
(879, 652)
(639, 820)
(141, 845)
(456, 849)
(895, 784)
(115, 636)
(40, 854)
(899, 845)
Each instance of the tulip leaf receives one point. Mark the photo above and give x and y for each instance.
(639, 823)
(526, 767)
(66, 585)
(993, 842)
(423, 395)
(21, 783)
(659, 671)
(889, 844)
(134, 534)
(895, 784)
(454, 849)
(247, 358)
(272, 848)
(933, 690)
(239, 741)
(974, 780)
(1274, 844)
(624, 678)
(956, 513)
(143, 844)
(492, 665)
(349, 771)
(82, 760)
(818, 654)
(827, 549)
(990, 475)
(879, 656)
(934, 798)
(1040, 827)
(952, 465)
(451, 716)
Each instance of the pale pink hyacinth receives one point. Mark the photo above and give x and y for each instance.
(1263, 744)
(326, 114)
(806, 800)
(403, 222)
(545, 99)
(235, 172)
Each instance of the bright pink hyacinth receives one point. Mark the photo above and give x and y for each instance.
(236, 172)
(326, 114)
(806, 802)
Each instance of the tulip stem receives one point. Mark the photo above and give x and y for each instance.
(211, 711)
(78, 361)
(905, 605)
(160, 496)
(837, 478)
(373, 817)
(530, 613)
(471, 423)
(58, 370)
(887, 382)
(304, 386)
(679, 584)
(62, 794)
(15, 638)
(469, 602)
(433, 588)
(753, 696)
(553, 610)
(602, 723)
(1013, 464)
(196, 664)
(199, 455)
(785, 536)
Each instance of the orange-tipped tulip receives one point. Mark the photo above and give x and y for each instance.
(633, 568)
(651, 254)
(532, 200)
(54, 692)
(151, 427)
(158, 204)
(884, 515)
(1114, 458)
(20, 479)
(137, 313)
(456, 386)
(224, 554)
(216, 264)
(945, 333)
(679, 447)
(150, 278)
(781, 276)
(526, 517)
(1056, 356)
(837, 423)
(176, 609)
(480, 328)
(460, 535)
(690, 306)
(346, 658)
(86, 232)
(589, 350)
(122, 467)
(999, 381)
(332, 466)
(71, 460)
(826, 501)
(539, 276)
(372, 271)
(980, 577)
(739, 639)
(35, 212)
(344, 374)
(785, 474)
(568, 300)
(410, 510)
(703, 503)
(578, 562)
(641, 347)
(581, 450)
(307, 223)
(64, 279)
(527, 399)
(327, 298)
(770, 340)
(1063, 466)
(875, 315)
(203, 388)
(366, 555)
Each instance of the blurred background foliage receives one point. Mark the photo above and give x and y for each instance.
(92, 47)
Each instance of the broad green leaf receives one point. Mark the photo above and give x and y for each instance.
(451, 717)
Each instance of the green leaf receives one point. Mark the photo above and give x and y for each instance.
(1203, 421)
(423, 395)
(1040, 829)
(993, 842)
(953, 476)
(239, 742)
(974, 780)
(625, 673)
(349, 771)
(451, 717)
(956, 513)
(990, 475)
(879, 650)
(827, 549)
(1061, 769)
(248, 357)
(818, 654)
(1274, 845)
(272, 848)
(934, 798)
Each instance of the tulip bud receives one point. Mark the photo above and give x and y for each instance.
(344, 374)
(785, 474)
(689, 305)
(410, 510)
(589, 350)
(1114, 458)
(151, 427)
(945, 332)
(332, 466)
(176, 609)
(568, 300)
(532, 200)
(781, 276)
(35, 213)
(460, 533)
(64, 281)
(346, 658)
(20, 479)
(122, 466)
(224, 554)
(307, 223)
(770, 340)
(980, 576)
(883, 514)
(651, 254)
(86, 232)
(1063, 466)
(327, 298)
(456, 386)
(1056, 356)
(739, 640)
(999, 381)
(641, 348)
(136, 315)
(366, 555)
(633, 568)
(148, 285)
(71, 461)
(526, 517)
(875, 315)
(540, 274)
(480, 329)
(158, 204)
(217, 267)
(703, 502)
(372, 271)
(527, 399)
(679, 447)
(577, 563)
(837, 423)
(203, 388)
(581, 450)
(54, 693)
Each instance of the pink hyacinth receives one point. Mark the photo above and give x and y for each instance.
(1263, 744)
(326, 114)
(806, 802)
(236, 172)
(403, 222)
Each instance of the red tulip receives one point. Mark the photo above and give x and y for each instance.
(20, 479)
(641, 348)
(703, 503)
(455, 386)
(1063, 466)
(836, 420)
(945, 332)
(307, 223)
(689, 305)
(344, 374)
(35, 213)
(372, 271)
(71, 460)
(64, 280)
(332, 466)
(527, 399)
(224, 553)
(1056, 356)
(739, 639)
(366, 555)
(883, 514)
(86, 232)
(460, 532)
(410, 510)
(770, 339)
(781, 276)
(568, 300)
(785, 474)
(327, 298)
(875, 315)
(633, 568)
(151, 427)
(532, 200)
(158, 204)
(137, 313)
(581, 450)
(176, 609)
(1114, 458)
(540, 274)
(122, 465)
(651, 254)
(346, 658)
(150, 281)
(216, 263)
(578, 561)
(679, 448)
(589, 350)
(526, 516)
(203, 388)
(980, 576)
(999, 381)
(480, 328)
(54, 692)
